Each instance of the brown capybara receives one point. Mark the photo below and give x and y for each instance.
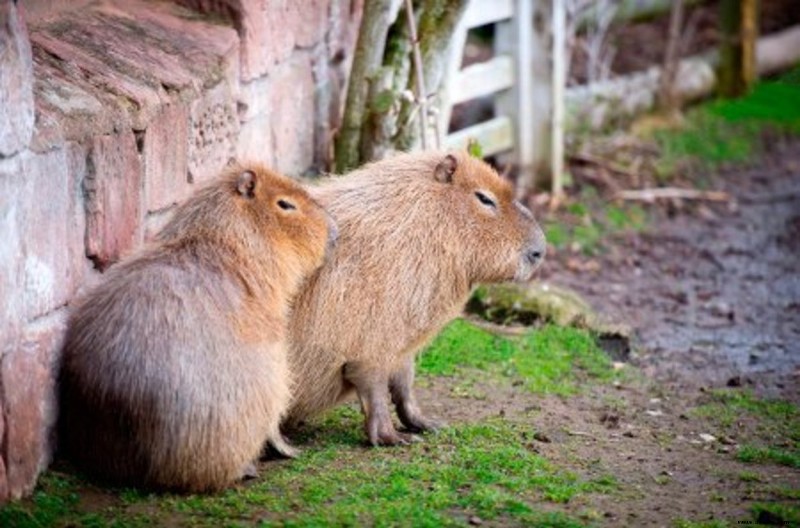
(174, 369)
(417, 233)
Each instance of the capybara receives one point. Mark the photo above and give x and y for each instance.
(417, 233)
(175, 373)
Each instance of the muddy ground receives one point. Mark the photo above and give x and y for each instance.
(712, 292)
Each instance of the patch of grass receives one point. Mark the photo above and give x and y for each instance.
(682, 523)
(749, 453)
(550, 359)
(774, 514)
(483, 469)
(730, 131)
(462, 344)
(585, 223)
(777, 420)
(749, 476)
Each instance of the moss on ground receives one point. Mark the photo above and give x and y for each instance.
(551, 359)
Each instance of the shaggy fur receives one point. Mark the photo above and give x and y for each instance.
(175, 371)
(417, 233)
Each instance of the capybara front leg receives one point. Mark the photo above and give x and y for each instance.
(401, 386)
(371, 388)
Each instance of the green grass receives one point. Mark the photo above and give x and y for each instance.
(681, 523)
(749, 453)
(584, 228)
(487, 469)
(774, 514)
(550, 359)
(777, 430)
(731, 131)
(483, 469)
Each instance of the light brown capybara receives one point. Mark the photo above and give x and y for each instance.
(417, 233)
(174, 370)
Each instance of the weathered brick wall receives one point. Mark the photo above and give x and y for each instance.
(111, 113)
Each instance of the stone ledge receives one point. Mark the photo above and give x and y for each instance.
(112, 65)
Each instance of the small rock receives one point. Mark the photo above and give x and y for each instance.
(654, 412)
(735, 381)
(474, 520)
(629, 434)
(727, 440)
(705, 437)
(541, 437)
(610, 420)
(655, 401)
(723, 449)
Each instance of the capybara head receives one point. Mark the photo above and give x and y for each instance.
(250, 199)
(447, 210)
(497, 231)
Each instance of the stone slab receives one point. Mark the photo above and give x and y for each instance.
(16, 81)
(29, 371)
(113, 188)
(166, 156)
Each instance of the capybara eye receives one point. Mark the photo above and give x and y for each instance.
(485, 200)
(286, 205)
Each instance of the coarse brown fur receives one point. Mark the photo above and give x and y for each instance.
(417, 233)
(174, 368)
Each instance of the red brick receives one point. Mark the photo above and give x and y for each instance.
(16, 82)
(311, 18)
(11, 192)
(113, 187)
(213, 134)
(80, 267)
(166, 150)
(269, 29)
(292, 116)
(29, 397)
(38, 234)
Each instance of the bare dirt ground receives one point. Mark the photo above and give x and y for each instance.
(713, 295)
(713, 291)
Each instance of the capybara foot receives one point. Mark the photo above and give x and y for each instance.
(383, 433)
(417, 423)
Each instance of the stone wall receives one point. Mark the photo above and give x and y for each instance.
(113, 111)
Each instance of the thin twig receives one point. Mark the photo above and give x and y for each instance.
(668, 193)
(611, 167)
(417, 59)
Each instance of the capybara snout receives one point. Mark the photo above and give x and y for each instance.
(532, 253)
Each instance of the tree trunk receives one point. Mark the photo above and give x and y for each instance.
(738, 22)
(669, 99)
(383, 113)
(366, 62)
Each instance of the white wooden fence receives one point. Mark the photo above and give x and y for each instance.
(519, 77)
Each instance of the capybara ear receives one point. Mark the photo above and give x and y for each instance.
(445, 169)
(246, 184)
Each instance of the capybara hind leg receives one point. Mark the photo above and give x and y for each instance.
(371, 388)
(401, 386)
